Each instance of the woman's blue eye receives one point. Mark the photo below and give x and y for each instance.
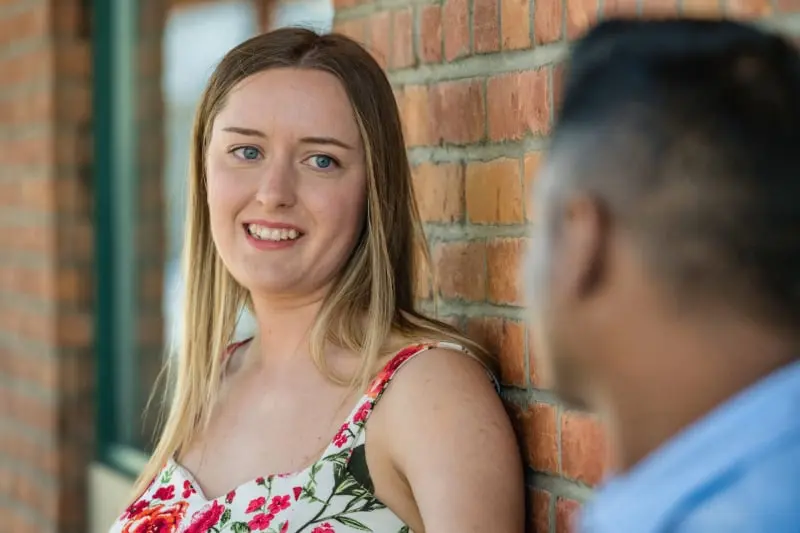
(249, 153)
(323, 161)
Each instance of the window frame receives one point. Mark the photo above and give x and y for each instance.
(115, 187)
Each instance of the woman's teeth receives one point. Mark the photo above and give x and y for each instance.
(272, 234)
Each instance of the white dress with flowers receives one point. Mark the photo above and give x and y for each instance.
(333, 495)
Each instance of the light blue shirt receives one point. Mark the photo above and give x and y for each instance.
(737, 470)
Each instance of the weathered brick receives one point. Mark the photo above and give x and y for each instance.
(530, 169)
(518, 103)
(503, 263)
(458, 111)
(506, 341)
(748, 9)
(430, 34)
(403, 38)
(439, 189)
(417, 110)
(539, 511)
(485, 26)
(462, 270)
(515, 24)
(380, 36)
(494, 192)
(566, 514)
(583, 447)
(581, 14)
(547, 20)
(536, 425)
(456, 30)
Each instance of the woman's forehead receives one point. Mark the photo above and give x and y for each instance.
(290, 101)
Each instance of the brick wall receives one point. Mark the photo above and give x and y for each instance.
(477, 82)
(46, 253)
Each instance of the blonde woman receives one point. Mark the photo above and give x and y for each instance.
(301, 208)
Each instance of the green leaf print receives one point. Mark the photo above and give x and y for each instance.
(225, 517)
(351, 522)
(404, 529)
(338, 457)
(240, 527)
(166, 476)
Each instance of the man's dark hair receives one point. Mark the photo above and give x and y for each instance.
(689, 132)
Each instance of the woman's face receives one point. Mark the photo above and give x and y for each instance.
(286, 181)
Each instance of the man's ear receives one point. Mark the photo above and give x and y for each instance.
(584, 242)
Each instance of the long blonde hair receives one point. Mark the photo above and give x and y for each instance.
(372, 300)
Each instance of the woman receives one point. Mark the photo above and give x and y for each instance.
(301, 208)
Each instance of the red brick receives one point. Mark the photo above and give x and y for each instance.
(439, 189)
(416, 109)
(654, 9)
(581, 14)
(458, 111)
(430, 34)
(788, 5)
(485, 26)
(339, 5)
(518, 103)
(536, 425)
(506, 340)
(583, 447)
(701, 8)
(494, 192)
(547, 20)
(620, 8)
(566, 515)
(461, 270)
(403, 39)
(532, 364)
(748, 9)
(379, 29)
(456, 30)
(515, 24)
(539, 511)
(503, 263)
(530, 171)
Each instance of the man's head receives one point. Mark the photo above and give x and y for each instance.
(671, 192)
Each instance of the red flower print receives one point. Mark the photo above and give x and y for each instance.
(259, 481)
(188, 489)
(324, 528)
(230, 496)
(134, 509)
(165, 493)
(387, 372)
(362, 412)
(205, 519)
(157, 519)
(256, 504)
(284, 527)
(297, 491)
(341, 437)
(260, 522)
(278, 504)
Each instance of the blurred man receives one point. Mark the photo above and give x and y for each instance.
(665, 272)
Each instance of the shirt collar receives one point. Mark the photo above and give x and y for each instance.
(645, 497)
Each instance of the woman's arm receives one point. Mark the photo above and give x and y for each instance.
(446, 433)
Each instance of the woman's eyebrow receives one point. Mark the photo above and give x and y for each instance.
(251, 132)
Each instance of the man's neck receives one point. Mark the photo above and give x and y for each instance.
(679, 378)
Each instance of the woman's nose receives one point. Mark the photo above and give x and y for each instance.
(277, 185)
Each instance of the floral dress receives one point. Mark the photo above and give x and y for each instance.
(333, 495)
